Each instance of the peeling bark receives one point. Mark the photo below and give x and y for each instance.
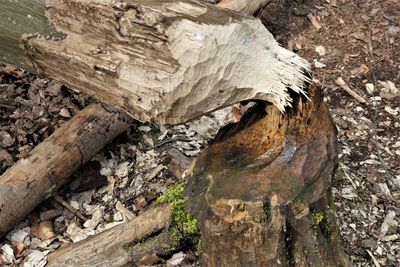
(50, 163)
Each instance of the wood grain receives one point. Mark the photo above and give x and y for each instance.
(163, 61)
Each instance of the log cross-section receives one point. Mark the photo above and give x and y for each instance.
(161, 60)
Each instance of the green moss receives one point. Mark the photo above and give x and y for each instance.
(200, 247)
(317, 217)
(328, 229)
(185, 226)
(320, 220)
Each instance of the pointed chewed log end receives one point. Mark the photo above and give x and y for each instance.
(162, 61)
(261, 190)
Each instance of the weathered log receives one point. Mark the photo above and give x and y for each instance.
(126, 243)
(50, 163)
(160, 61)
(261, 190)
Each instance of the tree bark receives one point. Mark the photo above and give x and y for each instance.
(50, 163)
(161, 61)
(126, 243)
(261, 191)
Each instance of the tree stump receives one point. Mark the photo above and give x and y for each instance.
(261, 191)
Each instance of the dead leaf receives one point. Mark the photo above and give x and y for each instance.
(43, 230)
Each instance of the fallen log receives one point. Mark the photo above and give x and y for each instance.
(261, 191)
(126, 243)
(161, 61)
(50, 163)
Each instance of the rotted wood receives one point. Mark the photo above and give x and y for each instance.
(126, 243)
(162, 61)
(261, 191)
(50, 163)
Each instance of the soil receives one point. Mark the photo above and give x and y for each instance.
(358, 41)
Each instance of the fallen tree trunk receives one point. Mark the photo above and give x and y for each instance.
(50, 163)
(126, 243)
(261, 191)
(161, 61)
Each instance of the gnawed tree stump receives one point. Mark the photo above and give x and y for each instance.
(261, 191)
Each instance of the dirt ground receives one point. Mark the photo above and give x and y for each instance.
(358, 41)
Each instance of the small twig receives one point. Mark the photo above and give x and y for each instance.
(342, 84)
(373, 258)
(347, 175)
(6, 106)
(70, 208)
(314, 21)
(183, 139)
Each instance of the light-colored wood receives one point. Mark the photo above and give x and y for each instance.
(164, 61)
(50, 163)
(245, 6)
(125, 243)
(343, 85)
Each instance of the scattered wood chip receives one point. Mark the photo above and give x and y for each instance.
(370, 88)
(155, 172)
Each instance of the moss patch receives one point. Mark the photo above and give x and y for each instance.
(317, 217)
(328, 228)
(185, 227)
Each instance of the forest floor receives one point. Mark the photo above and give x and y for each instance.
(358, 41)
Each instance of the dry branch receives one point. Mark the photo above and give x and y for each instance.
(343, 85)
(49, 164)
(125, 243)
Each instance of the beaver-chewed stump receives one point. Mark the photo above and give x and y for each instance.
(261, 191)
